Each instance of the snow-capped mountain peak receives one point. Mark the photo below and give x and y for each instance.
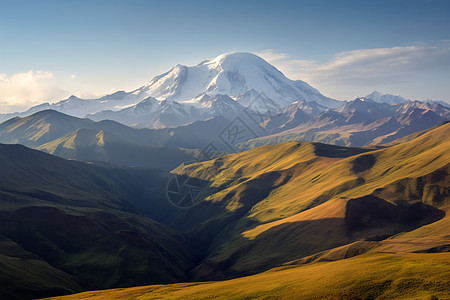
(233, 74)
(385, 98)
(232, 81)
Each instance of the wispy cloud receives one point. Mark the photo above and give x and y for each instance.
(365, 67)
(22, 90)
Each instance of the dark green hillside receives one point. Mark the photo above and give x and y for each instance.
(67, 226)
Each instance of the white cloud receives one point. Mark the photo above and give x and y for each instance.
(366, 68)
(22, 90)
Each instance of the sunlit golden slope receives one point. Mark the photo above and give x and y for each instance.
(274, 204)
(369, 276)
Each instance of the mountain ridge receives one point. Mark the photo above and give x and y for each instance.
(357, 123)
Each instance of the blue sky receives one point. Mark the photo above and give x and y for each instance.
(51, 49)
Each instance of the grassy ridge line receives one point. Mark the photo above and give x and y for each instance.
(369, 276)
(412, 159)
(308, 187)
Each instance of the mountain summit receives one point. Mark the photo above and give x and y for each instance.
(232, 74)
(385, 98)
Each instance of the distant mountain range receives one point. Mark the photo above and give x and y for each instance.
(356, 123)
(385, 98)
(397, 99)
